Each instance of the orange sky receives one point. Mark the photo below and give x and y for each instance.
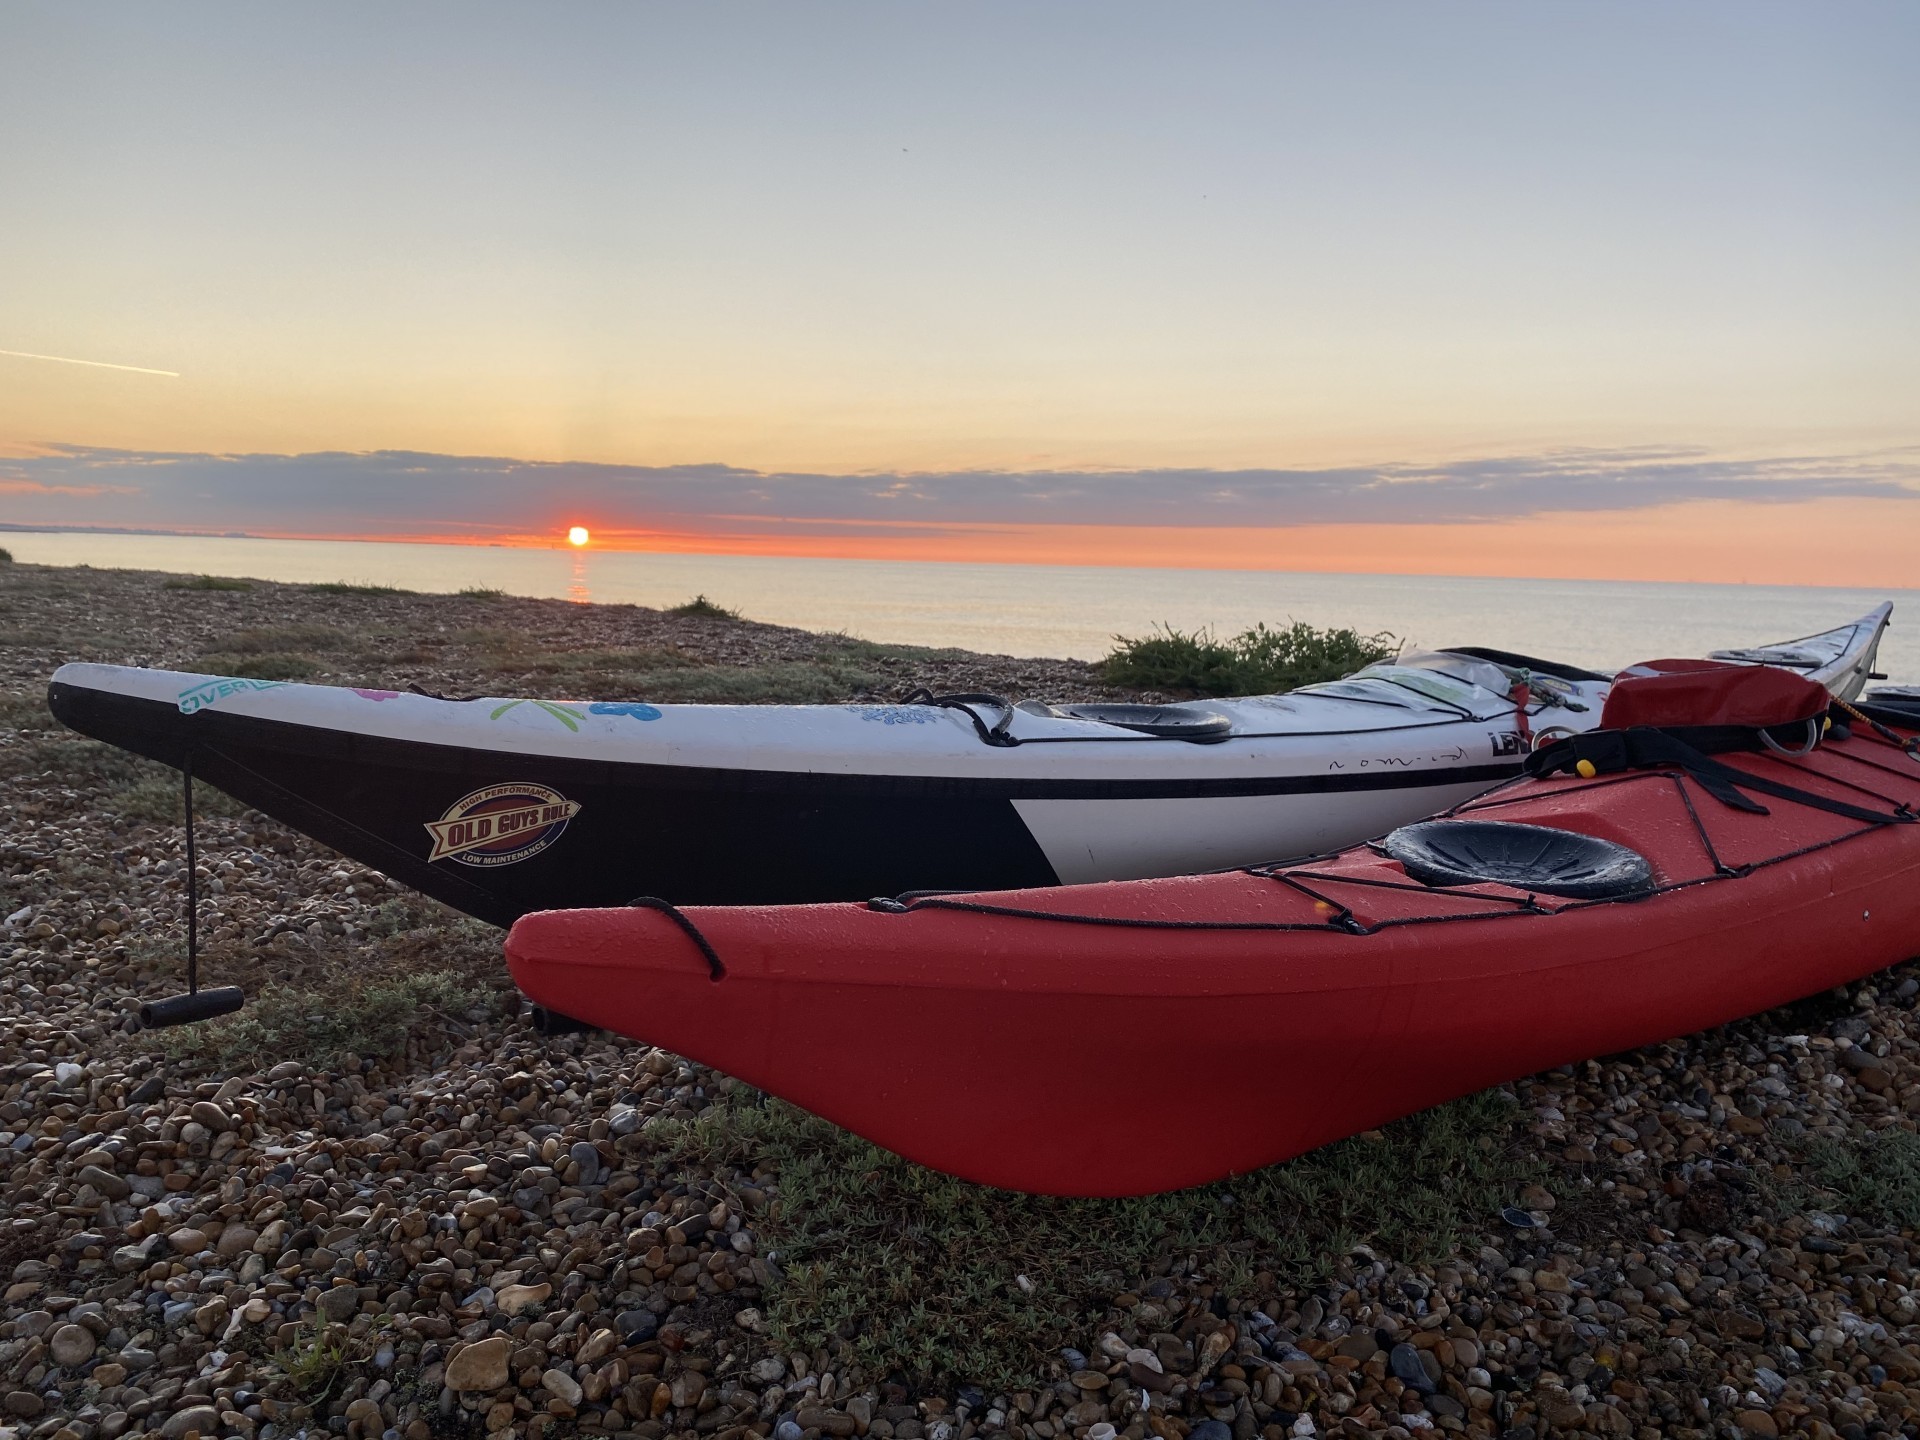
(1843, 542)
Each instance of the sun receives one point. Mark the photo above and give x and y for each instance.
(578, 535)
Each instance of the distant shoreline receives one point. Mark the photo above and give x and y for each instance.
(1043, 612)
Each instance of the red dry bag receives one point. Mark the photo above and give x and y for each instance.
(1690, 694)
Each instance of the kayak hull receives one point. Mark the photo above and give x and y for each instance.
(1124, 1038)
(502, 806)
(822, 804)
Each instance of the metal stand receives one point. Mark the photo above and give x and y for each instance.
(196, 1004)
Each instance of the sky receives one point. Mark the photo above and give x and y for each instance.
(1623, 289)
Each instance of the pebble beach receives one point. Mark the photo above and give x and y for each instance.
(378, 1204)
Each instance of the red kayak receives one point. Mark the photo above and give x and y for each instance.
(1675, 871)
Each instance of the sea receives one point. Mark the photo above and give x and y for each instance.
(1066, 611)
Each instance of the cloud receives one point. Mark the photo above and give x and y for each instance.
(403, 492)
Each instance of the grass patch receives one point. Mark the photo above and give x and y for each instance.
(284, 638)
(206, 582)
(26, 712)
(482, 592)
(341, 587)
(314, 1360)
(780, 682)
(841, 645)
(1872, 1173)
(512, 652)
(265, 667)
(6, 556)
(157, 799)
(1260, 661)
(120, 782)
(922, 1272)
(700, 605)
(346, 1013)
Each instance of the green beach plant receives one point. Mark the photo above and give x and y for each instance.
(703, 607)
(206, 582)
(1260, 661)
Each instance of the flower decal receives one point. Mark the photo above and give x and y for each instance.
(897, 714)
(377, 694)
(632, 709)
(565, 714)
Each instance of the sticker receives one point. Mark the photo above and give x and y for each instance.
(377, 694)
(210, 692)
(1508, 742)
(898, 714)
(500, 825)
(565, 714)
(633, 709)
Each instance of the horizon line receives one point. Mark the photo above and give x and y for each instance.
(561, 545)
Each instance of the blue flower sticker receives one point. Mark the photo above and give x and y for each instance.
(897, 714)
(632, 708)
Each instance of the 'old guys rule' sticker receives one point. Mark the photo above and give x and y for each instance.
(500, 825)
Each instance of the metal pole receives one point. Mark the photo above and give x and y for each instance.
(193, 887)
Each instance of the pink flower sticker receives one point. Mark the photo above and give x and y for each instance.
(377, 694)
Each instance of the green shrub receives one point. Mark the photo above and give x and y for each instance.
(206, 582)
(6, 556)
(1260, 661)
(482, 592)
(700, 605)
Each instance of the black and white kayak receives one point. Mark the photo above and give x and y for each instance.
(502, 806)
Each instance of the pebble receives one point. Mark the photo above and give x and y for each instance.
(563, 1387)
(340, 1304)
(481, 1365)
(72, 1346)
(1405, 1363)
(201, 1418)
(105, 1181)
(515, 1299)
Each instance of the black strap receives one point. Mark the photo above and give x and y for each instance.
(994, 734)
(1645, 748)
(692, 931)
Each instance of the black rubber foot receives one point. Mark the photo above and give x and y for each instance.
(552, 1022)
(185, 1009)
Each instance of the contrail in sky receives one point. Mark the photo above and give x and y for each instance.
(97, 364)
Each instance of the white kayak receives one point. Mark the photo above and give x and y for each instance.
(501, 806)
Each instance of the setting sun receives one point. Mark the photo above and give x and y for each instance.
(578, 535)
